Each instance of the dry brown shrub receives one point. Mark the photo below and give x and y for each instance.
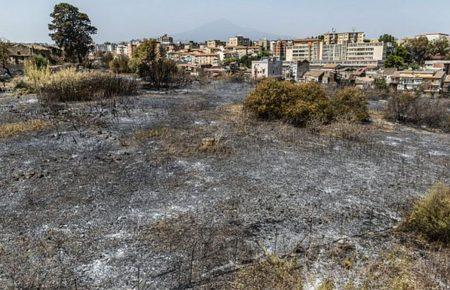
(420, 111)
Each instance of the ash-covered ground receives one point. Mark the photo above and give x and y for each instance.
(122, 194)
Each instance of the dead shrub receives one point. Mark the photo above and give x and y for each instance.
(430, 216)
(421, 111)
(14, 129)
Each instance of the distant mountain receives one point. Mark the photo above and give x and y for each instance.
(223, 29)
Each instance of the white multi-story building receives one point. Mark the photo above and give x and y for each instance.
(366, 51)
(122, 49)
(334, 52)
(267, 68)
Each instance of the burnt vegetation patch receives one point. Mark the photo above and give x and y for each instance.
(412, 109)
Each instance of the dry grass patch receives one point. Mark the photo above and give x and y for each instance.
(402, 269)
(431, 215)
(14, 129)
(186, 142)
(144, 135)
(347, 131)
(271, 273)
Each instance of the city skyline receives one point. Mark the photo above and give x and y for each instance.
(119, 20)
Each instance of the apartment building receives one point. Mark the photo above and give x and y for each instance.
(122, 49)
(334, 53)
(238, 40)
(279, 49)
(304, 49)
(370, 51)
(214, 43)
(267, 68)
(438, 65)
(264, 44)
(343, 37)
(210, 59)
(242, 51)
(165, 40)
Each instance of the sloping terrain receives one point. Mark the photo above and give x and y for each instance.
(128, 194)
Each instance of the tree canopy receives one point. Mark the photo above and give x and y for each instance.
(71, 30)
(4, 56)
(418, 49)
(150, 63)
(387, 38)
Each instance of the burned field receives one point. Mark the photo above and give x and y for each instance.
(183, 190)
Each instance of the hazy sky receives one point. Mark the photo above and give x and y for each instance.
(26, 20)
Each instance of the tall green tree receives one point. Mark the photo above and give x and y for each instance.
(418, 49)
(4, 57)
(440, 47)
(387, 38)
(395, 61)
(150, 63)
(71, 30)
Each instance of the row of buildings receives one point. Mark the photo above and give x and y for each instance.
(434, 79)
(350, 49)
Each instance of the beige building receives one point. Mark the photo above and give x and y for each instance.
(375, 51)
(238, 41)
(428, 81)
(211, 59)
(343, 37)
(304, 49)
(214, 43)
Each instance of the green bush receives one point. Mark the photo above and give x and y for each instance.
(69, 85)
(306, 103)
(350, 104)
(431, 215)
(270, 99)
(150, 63)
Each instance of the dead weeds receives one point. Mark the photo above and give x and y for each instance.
(19, 128)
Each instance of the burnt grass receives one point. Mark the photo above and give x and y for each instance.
(121, 194)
